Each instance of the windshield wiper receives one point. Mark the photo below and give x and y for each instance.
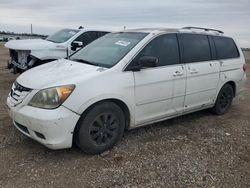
(84, 61)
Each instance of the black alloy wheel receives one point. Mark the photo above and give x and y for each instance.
(104, 128)
(100, 128)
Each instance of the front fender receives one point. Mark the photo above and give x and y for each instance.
(97, 99)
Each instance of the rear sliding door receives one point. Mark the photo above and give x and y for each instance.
(202, 71)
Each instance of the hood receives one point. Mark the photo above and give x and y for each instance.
(56, 73)
(30, 44)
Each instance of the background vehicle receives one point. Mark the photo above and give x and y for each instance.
(28, 53)
(125, 80)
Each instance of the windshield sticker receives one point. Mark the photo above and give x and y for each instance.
(72, 32)
(122, 43)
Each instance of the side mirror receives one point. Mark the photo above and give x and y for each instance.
(76, 44)
(148, 61)
(144, 62)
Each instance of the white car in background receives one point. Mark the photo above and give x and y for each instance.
(25, 54)
(126, 80)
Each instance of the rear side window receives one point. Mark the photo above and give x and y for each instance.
(225, 48)
(196, 48)
(164, 47)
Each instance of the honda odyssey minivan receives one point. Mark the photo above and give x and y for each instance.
(125, 80)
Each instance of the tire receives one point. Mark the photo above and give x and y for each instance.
(100, 129)
(224, 100)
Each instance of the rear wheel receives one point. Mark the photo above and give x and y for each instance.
(224, 100)
(101, 128)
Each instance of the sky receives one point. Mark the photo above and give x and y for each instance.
(48, 16)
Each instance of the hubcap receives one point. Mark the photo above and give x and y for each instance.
(104, 128)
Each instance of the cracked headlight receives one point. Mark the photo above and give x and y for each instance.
(52, 97)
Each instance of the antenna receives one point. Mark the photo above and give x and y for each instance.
(31, 29)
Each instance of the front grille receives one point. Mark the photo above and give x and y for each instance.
(21, 88)
(23, 128)
(18, 93)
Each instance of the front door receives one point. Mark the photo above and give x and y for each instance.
(155, 88)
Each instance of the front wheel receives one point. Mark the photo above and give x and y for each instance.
(224, 100)
(101, 128)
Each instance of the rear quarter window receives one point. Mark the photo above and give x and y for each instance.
(225, 48)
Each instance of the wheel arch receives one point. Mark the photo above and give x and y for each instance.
(217, 109)
(118, 102)
(231, 83)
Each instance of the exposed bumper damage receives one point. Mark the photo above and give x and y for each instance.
(20, 60)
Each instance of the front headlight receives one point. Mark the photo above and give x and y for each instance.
(52, 97)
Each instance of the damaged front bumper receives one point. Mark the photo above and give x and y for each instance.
(12, 63)
(20, 59)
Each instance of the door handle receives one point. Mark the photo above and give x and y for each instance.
(194, 71)
(178, 73)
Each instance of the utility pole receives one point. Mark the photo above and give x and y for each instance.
(31, 29)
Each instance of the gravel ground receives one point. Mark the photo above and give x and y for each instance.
(196, 150)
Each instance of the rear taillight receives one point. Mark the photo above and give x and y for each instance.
(245, 67)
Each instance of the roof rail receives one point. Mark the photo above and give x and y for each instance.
(205, 29)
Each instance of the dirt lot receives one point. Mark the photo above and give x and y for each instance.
(197, 150)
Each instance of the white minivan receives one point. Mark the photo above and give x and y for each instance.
(125, 80)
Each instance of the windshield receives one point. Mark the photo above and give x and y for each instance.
(109, 49)
(62, 35)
